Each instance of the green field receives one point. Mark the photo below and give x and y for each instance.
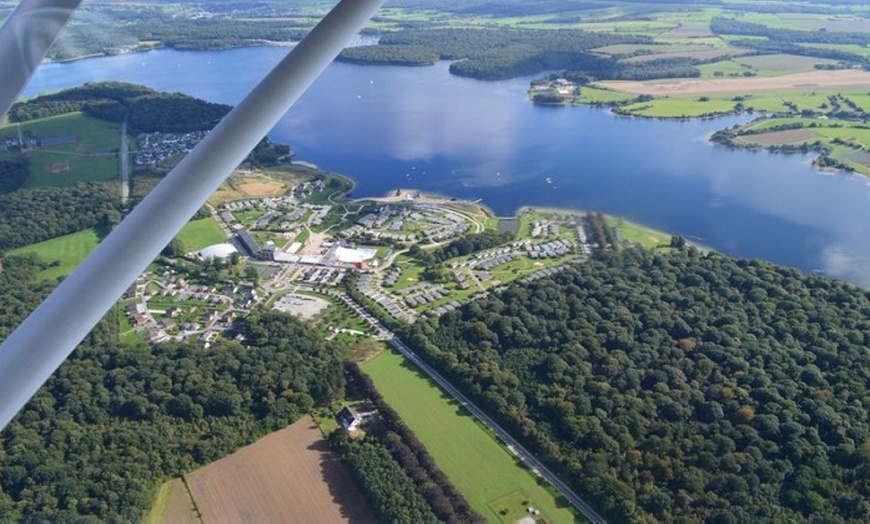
(855, 155)
(411, 270)
(637, 234)
(64, 253)
(689, 106)
(679, 107)
(92, 156)
(199, 234)
(594, 95)
(480, 467)
(337, 315)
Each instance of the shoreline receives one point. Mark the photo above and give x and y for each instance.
(411, 194)
(254, 43)
(401, 195)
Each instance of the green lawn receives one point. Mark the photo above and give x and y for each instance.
(199, 234)
(637, 234)
(411, 270)
(91, 157)
(680, 107)
(594, 95)
(854, 133)
(65, 253)
(480, 466)
(769, 101)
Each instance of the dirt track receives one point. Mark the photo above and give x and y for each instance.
(289, 476)
(816, 80)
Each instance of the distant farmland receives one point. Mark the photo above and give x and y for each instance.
(844, 79)
(288, 476)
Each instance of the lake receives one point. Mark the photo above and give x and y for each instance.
(395, 127)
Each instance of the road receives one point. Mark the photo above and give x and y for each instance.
(527, 457)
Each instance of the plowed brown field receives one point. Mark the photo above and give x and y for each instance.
(820, 80)
(289, 476)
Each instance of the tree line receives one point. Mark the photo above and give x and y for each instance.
(13, 174)
(728, 26)
(465, 245)
(145, 109)
(446, 501)
(788, 41)
(677, 386)
(117, 419)
(97, 33)
(387, 487)
(32, 215)
(491, 54)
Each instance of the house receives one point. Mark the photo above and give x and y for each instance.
(348, 418)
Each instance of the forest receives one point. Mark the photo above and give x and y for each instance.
(493, 55)
(98, 31)
(387, 487)
(146, 109)
(489, 54)
(32, 215)
(117, 419)
(728, 26)
(462, 246)
(679, 387)
(788, 41)
(13, 174)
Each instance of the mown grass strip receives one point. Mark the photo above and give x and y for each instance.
(480, 467)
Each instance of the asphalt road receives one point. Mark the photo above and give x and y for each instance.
(527, 457)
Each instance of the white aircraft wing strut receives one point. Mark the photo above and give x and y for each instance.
(44, 340)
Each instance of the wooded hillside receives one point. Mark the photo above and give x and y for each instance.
(682, 386)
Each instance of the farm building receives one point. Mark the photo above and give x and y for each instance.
(348, 418)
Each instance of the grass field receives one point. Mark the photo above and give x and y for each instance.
(854, 155)
(411, 270)
(291, 475)
(199, 234)
(679, 108)
(637, 234)
(65, 253)
(675, 106)
(592, 95)
(173, 505)
(480, 467)
(337, 315)
(92, 156)
(271, 182)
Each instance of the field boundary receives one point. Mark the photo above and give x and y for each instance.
(818, 80)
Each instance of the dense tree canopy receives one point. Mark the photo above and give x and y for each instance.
(33, 215)
(488, 53)
(446, 502)
(462, 246)
(682, 386)
(97, 33)
(147, 110)
(13, 174)
(390, 490)
(116, 419)
(768, 40)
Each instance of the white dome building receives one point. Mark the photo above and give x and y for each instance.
(354, 256)
(219, 251)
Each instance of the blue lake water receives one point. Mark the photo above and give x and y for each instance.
(392, 127)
